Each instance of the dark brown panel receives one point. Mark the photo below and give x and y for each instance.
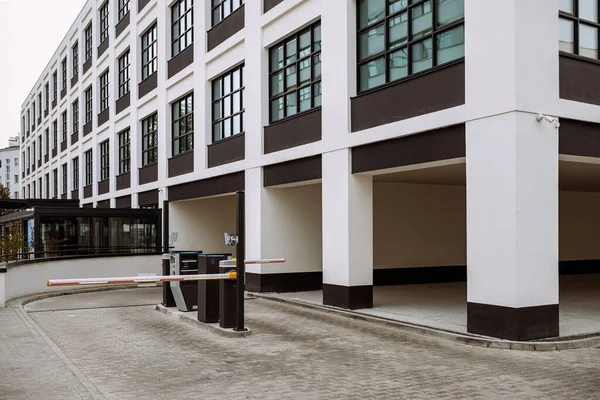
(75, 194)
(181, 164)
(54, 152)
(284, 283)
(579, 138)
(147, 85)
(223, 184)
(39, 121)
(268, 4)
(578, 267)
(122, 103)
(103, 204)
(103, 116)
(527, 323)
(578, 80)
(303, 169)
(46, 111)
(88, 205)
(103, 47)
(349, 297)
(417, 95)
(180, 61)
(227, 150)
(63, 145)
(54, 102)
(87, 65)
(295, 131)
(46, 158)
(123, 202)
(103, 186)
(74, 138)
(148, 198)
(123, 23)
(148, 174)
(410, 276)
(123, 181)
(87, 191)
(87, 128)
(74, 80)
(142, 4)
(39, 163)
(226, 28)
(63, 93)
(439, 144)
(63, 196)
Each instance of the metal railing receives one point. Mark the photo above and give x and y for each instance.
(78, 251)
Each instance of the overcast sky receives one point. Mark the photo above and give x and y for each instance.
(30, 31)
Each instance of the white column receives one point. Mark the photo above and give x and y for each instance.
(254, 221)
(256, 80)
(347, 233)
(512, 227)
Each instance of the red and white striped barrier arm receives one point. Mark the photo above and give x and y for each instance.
(140, 279)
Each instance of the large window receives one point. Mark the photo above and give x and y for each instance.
(104, 91)
(55, 182)
(182, 114)
(47, 181)
(579, 27)
(228, 104)
(75, 57)
(124, 74)
(88, 105)
(123, 8)
(149, 52)
(54, 134)
(104, 21)
(149, 142)
(88, 41)
(54, 86)
(397, 39)
(75, 113)
(124, 151)
(295, 73)
(64, 73)
(222, 8)
(46, 97)
(47, 141)
(104, 160)
(182, 20)
(75, 177)
(64, 126)
(64, 178)
(89, 167)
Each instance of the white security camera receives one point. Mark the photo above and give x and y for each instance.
(539, 117)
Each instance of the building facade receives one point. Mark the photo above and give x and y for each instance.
(9, 168)
(378, 141)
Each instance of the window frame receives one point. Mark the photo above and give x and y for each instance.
(149, 37)
(64, 71)
(188, 136)
(104, 23)
(124, 151)
(149, 153)
(436, 30)
(54, 134)
(55, 86)
(89, 110)
(577, 21)
(65, 177)
(65, 126)
(124, 73)
(88, 34)
(89, 167)
(123, 9)
(104, 160)
(75, 116)
(104, 93)
(220, 80)
(75, 59)
(55, 182)
(47, 96)
(177, 37)
(221, 6)
(75, 176)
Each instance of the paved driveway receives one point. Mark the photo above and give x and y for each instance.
(97, 346)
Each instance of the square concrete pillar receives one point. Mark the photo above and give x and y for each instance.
(347, 233)
(512, 227)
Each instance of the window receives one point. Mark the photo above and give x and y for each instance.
(75, 113)
(88, 105)
(123, 8)
(54, 134)
(396, 39)
(75, 54)
(16, 178)
(124, 74)
(55, 182)
(47, 141)
(63, 119)
(88, 167)
(28, 120)
(54, 86)
(228, 104)
(88, 41)
(182, 28)
(40, 103)
(104, 160)
(221, 9)
(104, 91)
(124, 151)
(149, 142)
(149, 52)
(47, 181)
(64, 178)
(46, 97)
(104, 21)
(182, 114)
(75, 177)
(295, 74)
(39, 146)
(16, 195)
(64, 73)
(579, 27)
(16, 161)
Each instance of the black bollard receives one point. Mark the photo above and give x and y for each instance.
(240, 255)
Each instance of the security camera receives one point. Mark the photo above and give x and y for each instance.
(539, 117)
(231, 239)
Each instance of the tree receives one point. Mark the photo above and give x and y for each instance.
(5, 194)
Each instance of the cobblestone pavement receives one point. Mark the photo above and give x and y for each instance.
(138, 353)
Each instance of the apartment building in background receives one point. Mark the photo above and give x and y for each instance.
(379, 142)
(9, 168)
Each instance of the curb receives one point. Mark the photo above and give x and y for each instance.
(24, 300)
(467, 339)
(212, 328)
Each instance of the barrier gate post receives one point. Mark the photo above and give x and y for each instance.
(240, 257)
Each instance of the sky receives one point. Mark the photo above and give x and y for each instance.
(30, 32)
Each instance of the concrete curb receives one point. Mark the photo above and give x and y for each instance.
(24, 300)
(474, 340)
(212, 328)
